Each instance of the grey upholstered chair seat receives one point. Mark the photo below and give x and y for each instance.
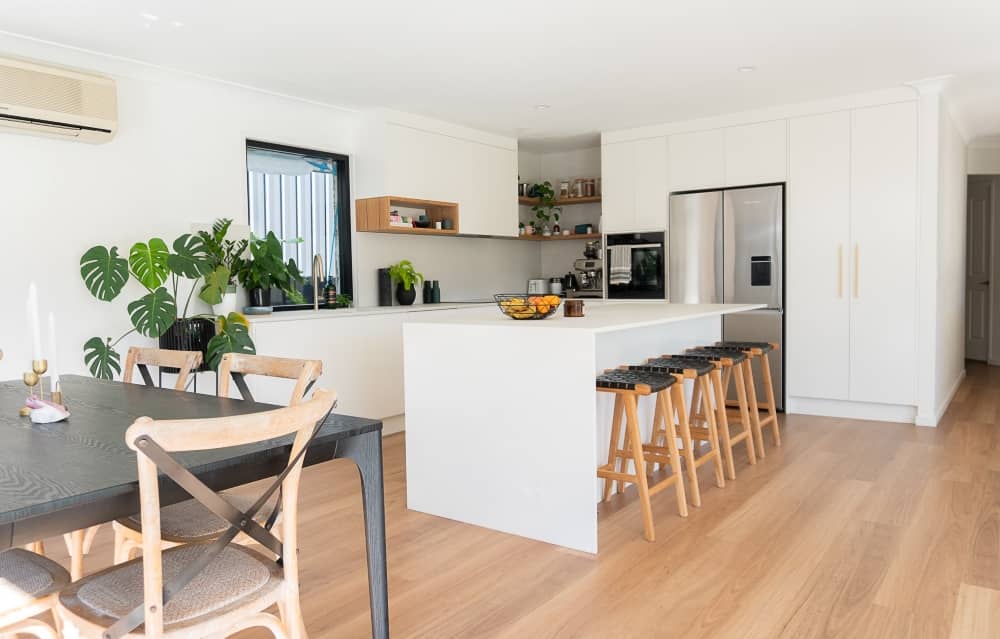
(238, 576)
(190, 521)
(25, 577)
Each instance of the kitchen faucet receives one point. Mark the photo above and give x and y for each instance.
(319, 275)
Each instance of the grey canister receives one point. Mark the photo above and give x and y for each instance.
(384, 287)
(435, 292)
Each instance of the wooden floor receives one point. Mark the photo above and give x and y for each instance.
(853, 529)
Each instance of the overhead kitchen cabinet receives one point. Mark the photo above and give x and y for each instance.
(756, 153)
(415, 157)
(697, 160)
(634, 187)
(852, 256)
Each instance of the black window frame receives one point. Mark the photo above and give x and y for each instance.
(344, 241)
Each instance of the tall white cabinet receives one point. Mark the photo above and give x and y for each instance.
(852, 256)
(635, 185)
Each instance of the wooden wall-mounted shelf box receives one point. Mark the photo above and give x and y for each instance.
(373, 215)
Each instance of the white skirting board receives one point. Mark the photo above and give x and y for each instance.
(851, 410)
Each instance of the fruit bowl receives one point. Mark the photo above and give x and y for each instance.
(520, 306)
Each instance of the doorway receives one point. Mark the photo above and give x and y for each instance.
(980, 271)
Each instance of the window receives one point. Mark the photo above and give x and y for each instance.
(302, 194)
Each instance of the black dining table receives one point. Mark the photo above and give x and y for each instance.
(60, 477)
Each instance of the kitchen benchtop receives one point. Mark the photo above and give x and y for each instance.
(601, 316)
(342, 313)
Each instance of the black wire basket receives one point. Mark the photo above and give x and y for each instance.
(523, 307)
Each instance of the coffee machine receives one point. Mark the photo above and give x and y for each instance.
(589, 279)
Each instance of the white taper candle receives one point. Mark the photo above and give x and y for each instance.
(53, 368)
(36, 330)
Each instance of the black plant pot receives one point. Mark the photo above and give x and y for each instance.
(260, 297)
(192, 334)
(405, 297)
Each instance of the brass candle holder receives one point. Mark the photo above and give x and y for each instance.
(34, 378)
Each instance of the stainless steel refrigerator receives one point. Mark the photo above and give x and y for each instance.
(727, 246)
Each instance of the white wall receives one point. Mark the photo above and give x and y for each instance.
(178, 158)
(467, 268)
(950, 343)
(984, 160)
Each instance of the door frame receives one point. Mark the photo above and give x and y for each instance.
(993, 334)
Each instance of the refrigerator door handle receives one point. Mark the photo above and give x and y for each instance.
(840, 270)
(857, 268)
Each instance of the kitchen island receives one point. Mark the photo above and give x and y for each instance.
(504, 428)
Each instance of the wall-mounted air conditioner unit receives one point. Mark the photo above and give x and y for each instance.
(55, 101)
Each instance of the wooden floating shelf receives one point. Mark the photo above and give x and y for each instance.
(531, 201)
(556, 238)
(373, 215)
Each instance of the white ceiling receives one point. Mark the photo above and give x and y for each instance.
(600, 65)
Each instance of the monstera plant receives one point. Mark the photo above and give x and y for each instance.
(156, 313)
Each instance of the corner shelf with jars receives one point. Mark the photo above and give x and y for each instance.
(577, 224)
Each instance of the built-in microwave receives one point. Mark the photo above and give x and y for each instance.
(636, 266)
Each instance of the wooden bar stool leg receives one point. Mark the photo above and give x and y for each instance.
(655, 435)
(667, 409)
(769, 394)
(635, 443)
(741, 395)
(722, 420)
(616, 429)
(696, 393)
(713, 430)
(758, 430)
(690, 466)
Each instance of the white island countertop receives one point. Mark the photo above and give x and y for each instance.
(599, 316)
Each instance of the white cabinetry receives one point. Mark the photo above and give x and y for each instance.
(634, 185)
(817, 223)
(884, 253)
(697, 160)
(413, 160)
(756, 153)
(852, 263)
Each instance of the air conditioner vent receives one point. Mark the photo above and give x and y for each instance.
(57, 96)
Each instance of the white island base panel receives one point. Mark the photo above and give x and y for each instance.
(504, 428)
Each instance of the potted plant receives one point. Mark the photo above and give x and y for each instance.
(406, 279)
(157, 314)
(266, 269)
(223, 255)
(546, 209)
(343, 301)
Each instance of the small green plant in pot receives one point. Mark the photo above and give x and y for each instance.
(266, 269)
(224, 256)
(546, 210)
(156, 313)
(406, 279)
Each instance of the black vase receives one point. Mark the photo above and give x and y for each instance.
(260, 297)
(405, 296)
(192, 334)
(384, 287)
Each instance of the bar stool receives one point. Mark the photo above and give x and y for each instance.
(663, 422)
(760, 350)
(751, 391)
(729, 362)
(627, 386)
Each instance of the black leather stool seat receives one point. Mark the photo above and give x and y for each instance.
(629, 379)
(743, 346)
(676, 364)
(714, 354)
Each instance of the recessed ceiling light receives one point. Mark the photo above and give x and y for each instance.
(746, 69)
(177, 24)
(149, 16)
(542, 107)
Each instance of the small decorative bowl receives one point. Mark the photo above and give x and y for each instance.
(521, 307)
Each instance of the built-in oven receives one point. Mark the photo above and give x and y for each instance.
(636, 266)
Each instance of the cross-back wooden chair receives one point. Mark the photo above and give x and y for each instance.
(29, 586)
(142, 358)
(189, 521)
(235, 366)
(78, 542)
(199, 590)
